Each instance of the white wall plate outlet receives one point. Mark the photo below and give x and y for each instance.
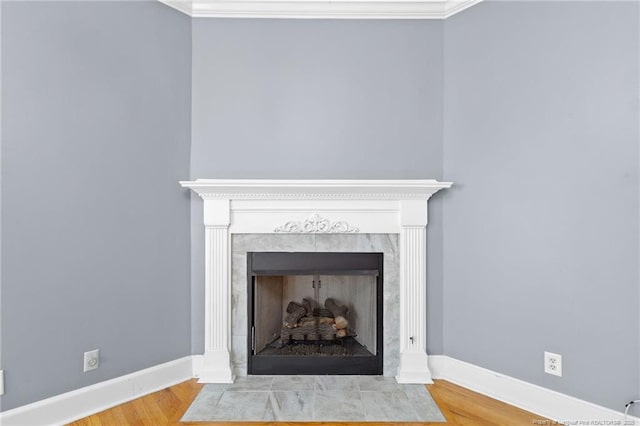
(1, 382)
(91, 360)
(553, 364)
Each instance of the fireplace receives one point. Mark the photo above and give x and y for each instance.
(315, 313)
(297, 215)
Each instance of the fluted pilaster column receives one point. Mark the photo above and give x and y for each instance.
(413, 367)
(217, 359)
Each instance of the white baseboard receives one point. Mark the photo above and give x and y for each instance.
(83, 402)
(198, 361)
(536, 399)
(74, 405)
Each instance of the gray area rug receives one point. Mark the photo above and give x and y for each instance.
(314, 398)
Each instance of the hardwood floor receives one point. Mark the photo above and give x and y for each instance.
(459, 405)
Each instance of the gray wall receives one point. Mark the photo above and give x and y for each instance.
(531, 108)
(317, 99)
(0, 194)
(541, 229)
(95, 136)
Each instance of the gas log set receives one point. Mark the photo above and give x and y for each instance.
(306, 322)
(314, 313)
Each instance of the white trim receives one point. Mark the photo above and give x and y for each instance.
(180, 5)
(414, 366)
(454, 7)
(83, 402)
(264, 216)
(234, 206)
(318, 189)
(216, 367)
(77, 404)
(527, 396)
(321, 9)
(316, 224)
(198, 362)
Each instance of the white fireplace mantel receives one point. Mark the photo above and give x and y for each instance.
(236, 206)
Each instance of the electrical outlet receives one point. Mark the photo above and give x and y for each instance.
(91, 360)
(553, 364)
(1, 382)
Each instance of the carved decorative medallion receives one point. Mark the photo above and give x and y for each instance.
(316, 225)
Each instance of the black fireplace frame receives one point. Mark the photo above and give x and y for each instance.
(314, 263)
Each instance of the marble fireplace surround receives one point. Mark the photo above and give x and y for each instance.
(388, 216)
(354, 242)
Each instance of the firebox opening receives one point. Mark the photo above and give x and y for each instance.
(315, 313)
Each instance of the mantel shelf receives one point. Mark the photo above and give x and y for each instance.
(315, 189)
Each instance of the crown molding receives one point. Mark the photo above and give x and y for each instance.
(318, 9)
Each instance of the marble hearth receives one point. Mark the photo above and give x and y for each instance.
(315, 215)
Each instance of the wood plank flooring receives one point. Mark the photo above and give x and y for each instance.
(459, 405)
